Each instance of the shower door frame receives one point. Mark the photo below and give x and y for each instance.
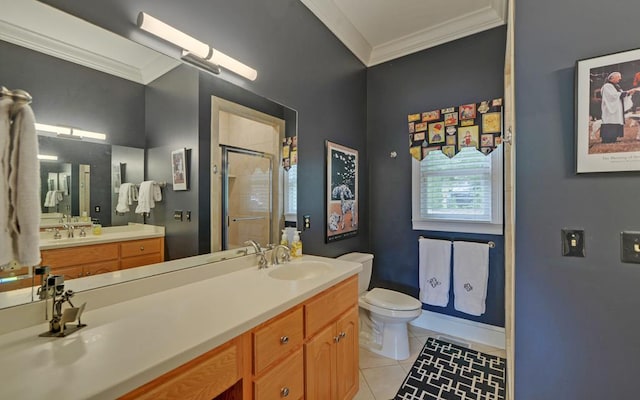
(225, 150)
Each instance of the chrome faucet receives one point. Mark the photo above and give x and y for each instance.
(286, 256)
(69, 229)
(262, 258)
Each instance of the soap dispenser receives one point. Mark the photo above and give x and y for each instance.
(284, 240)
(296, 245)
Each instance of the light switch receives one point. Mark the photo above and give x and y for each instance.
(630, 247)
(177, 215)
(572, 243)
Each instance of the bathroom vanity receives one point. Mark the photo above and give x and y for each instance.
(288, 331)
(116, 248)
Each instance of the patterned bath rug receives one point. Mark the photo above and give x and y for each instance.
(446, 371)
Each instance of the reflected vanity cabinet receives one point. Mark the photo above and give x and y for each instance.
(307, 352)
(81, 261)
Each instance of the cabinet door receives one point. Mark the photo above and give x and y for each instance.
(347, 355)
(320, 372)
(101, 268)
(69, 272)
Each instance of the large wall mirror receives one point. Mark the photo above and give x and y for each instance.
(147, 107)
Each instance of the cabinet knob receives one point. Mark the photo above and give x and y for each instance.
(141, 248)
(336, 338)
(342, 335)
(284, 392)
(88, 273)
(284, 340)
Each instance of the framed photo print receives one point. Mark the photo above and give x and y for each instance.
(341, 192)
(607, 113)
(179, 169)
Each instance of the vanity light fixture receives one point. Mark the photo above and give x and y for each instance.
(59, 130)
(72, 132)
(47, 157)
(88, 134)
(194, 49)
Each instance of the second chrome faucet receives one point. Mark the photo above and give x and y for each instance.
(279, 254)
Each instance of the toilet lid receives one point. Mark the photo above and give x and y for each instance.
(391, 300)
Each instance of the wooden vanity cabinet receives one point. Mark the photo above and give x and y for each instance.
(307, 352)
(81, 261)
(214, 375)
(331, 366)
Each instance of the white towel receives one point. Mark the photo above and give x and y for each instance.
(52, 198)
(147, 196)
(470, 276)
(434, 271)
(127, 195)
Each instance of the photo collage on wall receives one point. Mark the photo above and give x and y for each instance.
(451, 129)
(289, 152)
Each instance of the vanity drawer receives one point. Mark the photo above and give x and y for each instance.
(69, 256)
(328, 305)
(140, 247)
(277, 338)
(284, 381)
(202, 378)
(131, 262)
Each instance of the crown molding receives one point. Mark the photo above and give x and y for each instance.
(488, 17)
(452, 29)
(42, 28)
(333, 18)
(53, 47)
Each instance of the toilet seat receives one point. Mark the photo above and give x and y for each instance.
(391, 300)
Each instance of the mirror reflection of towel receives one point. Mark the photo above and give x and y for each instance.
(147, 196)
(53, 198)
(127, 195)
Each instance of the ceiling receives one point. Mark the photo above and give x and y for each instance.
(381, 30)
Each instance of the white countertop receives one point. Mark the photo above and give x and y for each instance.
(109, 235)
(130, 343)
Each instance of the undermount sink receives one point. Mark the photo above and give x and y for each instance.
(297, 271)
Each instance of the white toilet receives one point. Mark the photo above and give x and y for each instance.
(384, 313)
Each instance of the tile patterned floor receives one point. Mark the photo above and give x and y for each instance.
(381, 377)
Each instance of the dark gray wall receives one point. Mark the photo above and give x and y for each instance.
(68, 94)
(576, 318)
(300, 63)
(468, 70)
(172, 124)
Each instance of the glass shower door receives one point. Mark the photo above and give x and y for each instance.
(247, 192)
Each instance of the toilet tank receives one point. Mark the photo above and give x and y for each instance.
(364, 277)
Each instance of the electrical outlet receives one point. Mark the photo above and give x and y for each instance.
(572, 243)
(96, 209)
(188, 216)
(630, 247)
(306, 222)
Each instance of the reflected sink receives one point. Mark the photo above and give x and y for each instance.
(300, 270)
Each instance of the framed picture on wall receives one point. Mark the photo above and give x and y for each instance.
(341, 192)
(607, 112)
(179, 169)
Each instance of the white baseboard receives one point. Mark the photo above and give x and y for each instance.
(462, 328)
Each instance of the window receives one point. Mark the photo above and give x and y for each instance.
(459, 194)
(291, 194)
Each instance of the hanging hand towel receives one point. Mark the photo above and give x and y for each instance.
(125, 198)
(434, 271)
(147, 196)
(470, 276)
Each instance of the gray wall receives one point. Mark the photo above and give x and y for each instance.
(171, 124)
(300, 63)
(68, 94)
(468, 70)
(576, 318)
